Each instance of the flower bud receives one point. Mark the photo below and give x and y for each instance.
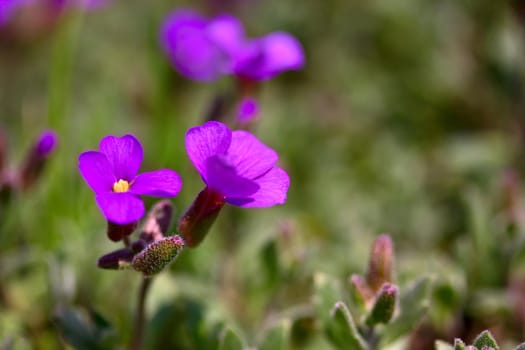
(247, 110)
(381, 261)
(159, 254)
(198, 218)
(36, 158)
(157, 222)
(384, 305)
(116, 232)
(362, 294)
(116, 260)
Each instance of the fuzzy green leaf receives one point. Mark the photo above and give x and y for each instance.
(459, 345)
(326, 294)
(342, 331)
(485, 340)
(277, 338)
(230, 340)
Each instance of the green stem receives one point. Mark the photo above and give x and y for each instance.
(140, 318)
(61, 69)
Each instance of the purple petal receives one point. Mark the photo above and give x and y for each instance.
(8, 9)
(250, 156)
(205, 141)
(96, 170)
(249, 60)
(227, 33)
(160, 183)
(280, 52)
(124, 154)
(120, 208)
(192, 52)
(273, 188)
(222, 176)
(247, 110)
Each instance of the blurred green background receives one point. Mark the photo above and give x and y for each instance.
(408, 119)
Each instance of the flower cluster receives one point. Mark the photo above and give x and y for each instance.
(205, 49)
(236, 167)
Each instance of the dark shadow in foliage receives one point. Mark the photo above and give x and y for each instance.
(182, 326)
(84, 329)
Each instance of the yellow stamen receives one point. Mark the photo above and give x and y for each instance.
(121, 186)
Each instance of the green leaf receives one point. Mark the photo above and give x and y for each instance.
(277, 337)
(413, 306)
(270, 261)
(342, 331)
(84, 330)
(485, 340)
(229, 340)
(441, 345)
(326, 294)
(459, 345)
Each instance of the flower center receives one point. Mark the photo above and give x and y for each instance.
(121, 186)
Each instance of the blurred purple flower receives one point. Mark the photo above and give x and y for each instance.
(8, 8)
(268, 56)
(247, 110)
(112, 175)
(237, 165)
(204, 49)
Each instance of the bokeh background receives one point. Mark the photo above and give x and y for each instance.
(408, 118)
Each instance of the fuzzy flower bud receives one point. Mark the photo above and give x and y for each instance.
(116, 260)
(197, 220)
(381, 262)
(361, 292)
(157, 222)
(159, 254)
(247, 110)
(384, 305)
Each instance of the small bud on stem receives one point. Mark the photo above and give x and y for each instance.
(381, 262)
(159, 254)
(198, 218)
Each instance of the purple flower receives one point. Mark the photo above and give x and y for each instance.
(237, 165)
(204, 50)
(111, 173)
